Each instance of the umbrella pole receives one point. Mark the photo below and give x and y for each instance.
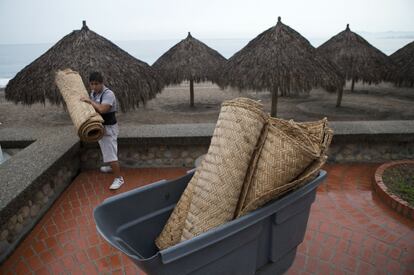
(339, 99)
(273, 110)
(191, 93)
(352, 84)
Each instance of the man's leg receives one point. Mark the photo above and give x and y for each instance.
(116, 169)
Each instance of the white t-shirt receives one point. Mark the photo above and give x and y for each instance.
(108, 97)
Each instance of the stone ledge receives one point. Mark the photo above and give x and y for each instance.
(32, 180)
(37, 158)
(185, 133)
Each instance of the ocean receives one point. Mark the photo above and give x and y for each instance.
(14, 57)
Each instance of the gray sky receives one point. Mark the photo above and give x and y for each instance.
(38, 21)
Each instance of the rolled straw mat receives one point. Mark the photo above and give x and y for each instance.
(211, 197)
(86, 120)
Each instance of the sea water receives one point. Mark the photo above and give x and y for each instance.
(15, 57)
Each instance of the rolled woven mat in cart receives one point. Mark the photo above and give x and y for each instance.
(173, 229)
(217, 191)
(86, 120)
(292, 154)
(211, 196)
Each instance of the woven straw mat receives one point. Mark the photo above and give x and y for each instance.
(292, 154)
(86, 120)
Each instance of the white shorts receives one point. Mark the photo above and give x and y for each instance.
(109, 143)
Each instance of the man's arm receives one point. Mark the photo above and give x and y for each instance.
(100, 108)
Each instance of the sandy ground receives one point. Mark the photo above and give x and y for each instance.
(379, 102)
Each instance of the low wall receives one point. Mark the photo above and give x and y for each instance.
(372, 141)
(179, 145)
(35, 176)
(175, 145)
(32, 180)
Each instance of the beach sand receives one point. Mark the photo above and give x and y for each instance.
(368, 102)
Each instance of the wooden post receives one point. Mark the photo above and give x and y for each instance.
(352, 84)
(84, 26)
(339, 98)
(191, 93)
(273, 111)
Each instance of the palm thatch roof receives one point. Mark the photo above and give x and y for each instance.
(280, 60)
(133, 81)
(190, 59)
(404, 65)
(356, 58)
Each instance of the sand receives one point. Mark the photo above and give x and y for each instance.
(368, 102)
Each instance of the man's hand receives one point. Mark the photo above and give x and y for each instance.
(86, 99)
(100, 108)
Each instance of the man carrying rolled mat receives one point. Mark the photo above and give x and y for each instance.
(104, 102)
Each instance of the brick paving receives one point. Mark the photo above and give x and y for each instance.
(350, 231)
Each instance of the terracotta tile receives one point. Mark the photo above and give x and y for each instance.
(382, 247)
(69, 262)
(380, 261)
(63, 238)
(326, 254)
(70, 247)
(94, 239)
(342, 246)
(51, 242)
(43, 271)
(105, 249)
(59, 251)
(311, 265)
(365, 268)
(34, 263)
(314, 249)
(354, 249)
(345, 261)
(47, 257)
(93, 253)
(27, 252)
(117, 272)
(22, 268)
(51, 229)
(81, 257)
(89, 268)
(324, 267)
(42, 233)
(103, 265)
(395, 253)
(39, 247)
(57, 267)
(132, 270)
(357, 237)
(299, 261)
(115, 261)
(346, 234)
(393, 267)
(366, 254)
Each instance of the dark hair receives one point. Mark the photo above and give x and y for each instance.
(96, 76)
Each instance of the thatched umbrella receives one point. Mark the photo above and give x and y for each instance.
(404, 61)
(279, 60)
(133, 81)
(192, 60)
(356, 58)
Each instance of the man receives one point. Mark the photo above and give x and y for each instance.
(104, 102)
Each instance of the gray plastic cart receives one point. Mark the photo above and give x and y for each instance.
(261, 242)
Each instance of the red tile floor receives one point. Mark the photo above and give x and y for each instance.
(349, 231)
